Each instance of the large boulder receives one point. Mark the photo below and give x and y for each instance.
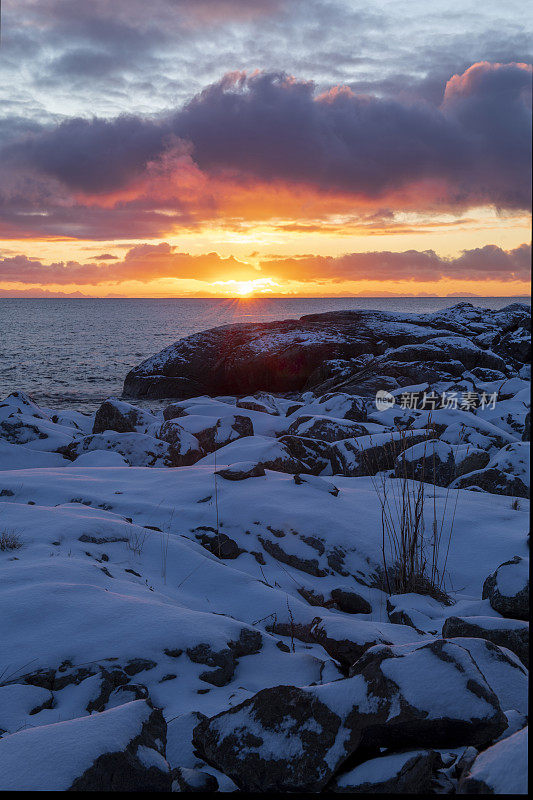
(408, 772)
(117, 415)
(295, 739)
(185, 448)
(510, 633)
(120, 750)
(289, 355)
(314, 454)
(506, 473)
(501, 769)
(508, 588)
(433, 461)
(260, 450)
(370, 454)
(23, 422)
(326, 429)
(138, 449)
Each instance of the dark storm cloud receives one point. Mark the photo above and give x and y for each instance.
(95, 155)
(472, 149)
(274, 127)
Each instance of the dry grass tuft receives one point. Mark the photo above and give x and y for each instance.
(9, 540)
(414, 558)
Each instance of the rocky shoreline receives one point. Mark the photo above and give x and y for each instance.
(195, 598)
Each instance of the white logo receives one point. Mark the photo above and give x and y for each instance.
(384, 400)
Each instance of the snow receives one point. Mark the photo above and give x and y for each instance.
(17, 701)
(115, 564)
(503, 767)
(512, 578)
(418, 675)
(101, 458)
(377, 770)
(12, 456)
(50, 758)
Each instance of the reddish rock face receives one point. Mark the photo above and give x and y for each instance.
(354, 348)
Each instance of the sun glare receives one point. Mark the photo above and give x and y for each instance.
(244, 288)
(247, 288)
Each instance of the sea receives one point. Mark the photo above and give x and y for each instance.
(77, 352)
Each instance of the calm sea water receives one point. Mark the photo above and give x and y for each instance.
(77, 352)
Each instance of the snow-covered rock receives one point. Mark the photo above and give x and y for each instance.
(327, 429)
(117, 415)
(510, 633)
(120, 750)
(261, 450)
(368, 455)
(407, 772)
(437, 462)
(138, 449)
(293, 355)
(18, 703)
(295, 739)
(13, 456)
(508, 588)
(185, 447)
(506, 473)
(100, 458)
(501, 769)
(242, 592)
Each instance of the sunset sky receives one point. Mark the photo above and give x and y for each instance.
(268, 147)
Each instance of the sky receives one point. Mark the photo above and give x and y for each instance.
(185, 148)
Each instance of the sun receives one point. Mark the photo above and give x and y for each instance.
(251, 288)
(244, 288)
